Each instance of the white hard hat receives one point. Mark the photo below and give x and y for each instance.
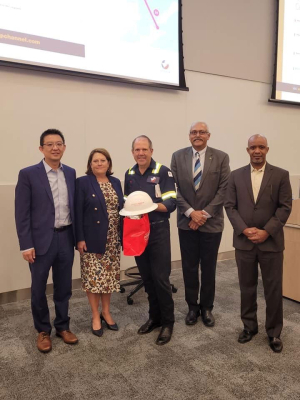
(138, 203)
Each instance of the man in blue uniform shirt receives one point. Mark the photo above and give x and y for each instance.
(155, 263)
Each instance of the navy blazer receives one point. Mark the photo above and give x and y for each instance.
(34, 207)
(91, 213)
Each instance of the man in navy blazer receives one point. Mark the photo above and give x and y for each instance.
(44, 213)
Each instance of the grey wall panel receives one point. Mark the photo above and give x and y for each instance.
(234, 38)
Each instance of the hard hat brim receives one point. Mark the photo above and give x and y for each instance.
(126, 213)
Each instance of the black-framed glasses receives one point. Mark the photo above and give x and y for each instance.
(51, 145)
(194, 133)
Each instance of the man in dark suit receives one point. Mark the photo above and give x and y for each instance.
(258, 204)
(44, 212)
(201, 174)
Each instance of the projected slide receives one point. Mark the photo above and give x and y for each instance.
(136, 39)
(288, 59)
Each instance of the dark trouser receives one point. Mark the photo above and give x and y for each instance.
(199, 247)
(155, 267)
(271, 271)
(60, 256)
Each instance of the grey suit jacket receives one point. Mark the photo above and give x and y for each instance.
(211, 193)
(270, 211)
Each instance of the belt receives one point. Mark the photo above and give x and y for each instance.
(158, 222)
(62, 228)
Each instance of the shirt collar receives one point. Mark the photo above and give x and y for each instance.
(201, 152)
(262, 169)
(48, 168)
(151, 166)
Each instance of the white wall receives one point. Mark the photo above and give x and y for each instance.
(99, 114)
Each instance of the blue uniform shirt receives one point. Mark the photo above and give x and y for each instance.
(158, 182)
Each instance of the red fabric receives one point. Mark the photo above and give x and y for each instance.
(135, 235)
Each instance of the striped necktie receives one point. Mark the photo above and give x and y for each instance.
(197, 171)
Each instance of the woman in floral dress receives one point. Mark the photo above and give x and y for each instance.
(98, 200)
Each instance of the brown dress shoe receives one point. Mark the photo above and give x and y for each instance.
(67, 336)
(44, 342)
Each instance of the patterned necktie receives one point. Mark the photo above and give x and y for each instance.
(197, 171)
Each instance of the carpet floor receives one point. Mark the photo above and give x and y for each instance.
(199, 362)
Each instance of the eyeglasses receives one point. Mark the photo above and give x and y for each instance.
(194, 133)
(51, 145)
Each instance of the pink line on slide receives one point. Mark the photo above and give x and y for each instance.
(146, 2)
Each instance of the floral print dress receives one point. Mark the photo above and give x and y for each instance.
(100, 273)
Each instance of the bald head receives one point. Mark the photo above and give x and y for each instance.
(257, 150)
(258, 137)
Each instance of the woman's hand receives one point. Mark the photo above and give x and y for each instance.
(81, 247)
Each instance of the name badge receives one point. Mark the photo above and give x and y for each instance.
(157, 191)
(153, 179)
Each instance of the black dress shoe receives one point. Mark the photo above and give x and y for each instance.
(276, 344)
(207, 318)
(245, 336)
(165, 335)
(113, 327)
(148, 327)
(191, 318)
(97, 332)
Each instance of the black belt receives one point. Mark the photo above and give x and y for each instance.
(62, 228)
(158, 222)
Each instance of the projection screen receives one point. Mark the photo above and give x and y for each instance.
(129, 40)
(286, 85)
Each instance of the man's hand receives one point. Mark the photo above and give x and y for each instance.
(29, 255)
(193, 225)
(249, 232)
(259, 237)
(81, 247)
(199, 217)
(161, 208)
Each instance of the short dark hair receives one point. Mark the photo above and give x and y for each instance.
(51, 132)
(142, 137)
(106, 155)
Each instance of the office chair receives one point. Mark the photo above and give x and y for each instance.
(135, 279)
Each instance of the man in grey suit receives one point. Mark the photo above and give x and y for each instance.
(201, 174)
(258, 204)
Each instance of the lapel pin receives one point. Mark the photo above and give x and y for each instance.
(93, 195)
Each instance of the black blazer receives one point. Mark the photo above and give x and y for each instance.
(270, 211)
(91, 213)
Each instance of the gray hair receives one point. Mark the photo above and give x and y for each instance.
(198, 122)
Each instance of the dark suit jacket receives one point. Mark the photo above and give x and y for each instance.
(91, 212)
(211, 193)
(34, 207)
(270, 212)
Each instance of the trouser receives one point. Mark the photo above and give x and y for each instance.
(155, 267)
(199, 247)
(60, 256)
(271, 271)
